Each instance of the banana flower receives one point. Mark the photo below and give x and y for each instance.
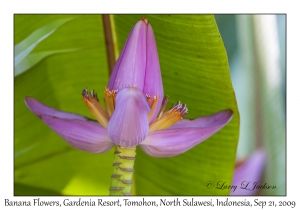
(135, 113)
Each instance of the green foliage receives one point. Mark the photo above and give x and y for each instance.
(194, 69)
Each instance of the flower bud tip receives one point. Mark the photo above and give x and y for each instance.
(145, 20)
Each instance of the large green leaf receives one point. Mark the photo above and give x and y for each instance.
(194, 70)
(42, 159)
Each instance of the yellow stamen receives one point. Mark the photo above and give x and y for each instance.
(170, 117)
(96, 109)
(110, 101)
(148, 98)
(163, 106)
(166, 120)
(152, 106)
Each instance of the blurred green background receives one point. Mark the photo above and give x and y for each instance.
(256, 48)
(56, 56)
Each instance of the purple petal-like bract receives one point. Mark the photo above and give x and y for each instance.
(153, 82)
(249, 174)
(86, 136)
(129, 124)
(216, 119)
(40, 109)
(187, 134)
(130, 67)
(79, 131)
(138, 64)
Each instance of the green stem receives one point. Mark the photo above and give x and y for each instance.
(121, 180)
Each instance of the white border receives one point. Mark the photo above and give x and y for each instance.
(8, 8)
